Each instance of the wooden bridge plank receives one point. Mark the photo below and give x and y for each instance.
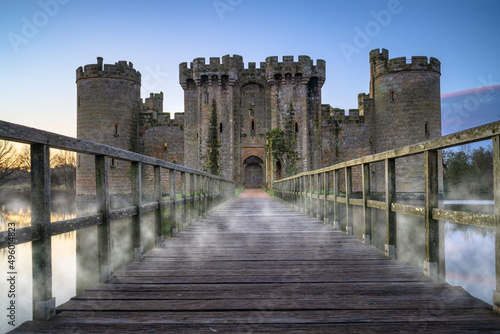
(280, 273)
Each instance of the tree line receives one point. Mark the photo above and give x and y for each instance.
(468, 170)
(15, 166)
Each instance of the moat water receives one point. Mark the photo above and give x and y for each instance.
(469, 253)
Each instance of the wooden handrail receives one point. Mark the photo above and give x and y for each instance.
(212, 190)
(299, 190)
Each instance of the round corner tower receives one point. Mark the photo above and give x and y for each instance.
(108, 106)
(407, 101)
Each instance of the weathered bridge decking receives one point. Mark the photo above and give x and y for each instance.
(254, 265)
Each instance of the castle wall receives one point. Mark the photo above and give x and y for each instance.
(345, 137)
(407, 110)
(249, 102)
(402, 108)
(163, 138)
(108, 104)
(191, 131)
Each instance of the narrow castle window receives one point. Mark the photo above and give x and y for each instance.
(296, 127)
(116, 129)
(197, 135)
(253, 101)
(294, 93)
(113, 162)
(426, 128)
(220, 127)
(208, 98)
(393, 96)
(253, 125)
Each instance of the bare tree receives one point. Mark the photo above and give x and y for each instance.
(24, 159)
(8, 162)
(63, 168)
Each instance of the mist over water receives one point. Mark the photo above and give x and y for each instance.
(18, 210)
(470, 252)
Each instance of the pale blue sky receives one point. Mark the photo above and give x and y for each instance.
(38, 87)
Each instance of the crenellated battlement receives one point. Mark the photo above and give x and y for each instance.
(151, 118)
(304, 68)
(234, 68)
(381, 64)
(119, 70)
(339, 115)
(153, 102)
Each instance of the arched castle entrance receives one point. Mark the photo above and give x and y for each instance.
(254, 174)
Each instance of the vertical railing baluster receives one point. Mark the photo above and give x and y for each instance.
(209, 194)
(288, 192)
(159, 211)
(326, 190)
(199, 184)
(295, 198)
(319, 212)
(44, 305)
(336, 204)
(173, 207)
(348, 207)
(103, 229)
(205, 197)
(137, 201)
(192, 190)
(184, 201)
(431, 267)
(310, 190)
(304, 193)
(496, 191)
(367, 213)
(390, 197)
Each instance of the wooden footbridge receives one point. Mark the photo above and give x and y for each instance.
(252, 265)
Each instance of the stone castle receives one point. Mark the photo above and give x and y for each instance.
(402, 107)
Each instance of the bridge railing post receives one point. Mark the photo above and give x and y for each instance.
(209, 194)
(310, 190)
(44, 304)
(285, 191)
(173, 207)
(367, 214)
(137, 201)
(282, 190)
(390, 197)
(205, 196)
(293, 194)
(431, 267)
(319, 211)
(159, 211)
(296, 197)
(348, 206)
(326, 190)
(496, 187)
(199, 185)
(104, 229)
(184, 201)
(289, 192)
(336, 204)
(303, 188)
(192, 190)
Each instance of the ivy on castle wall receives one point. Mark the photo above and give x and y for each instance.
(213, 163)
(280, 147)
